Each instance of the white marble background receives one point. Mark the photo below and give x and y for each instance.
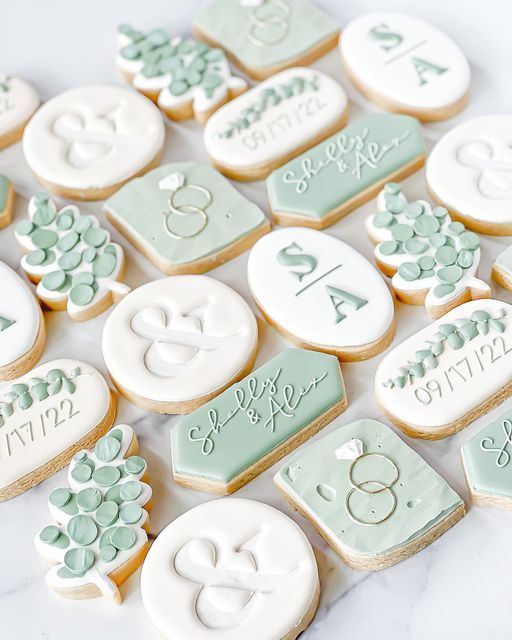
(456, 589)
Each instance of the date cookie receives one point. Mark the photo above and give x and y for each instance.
(7, 196)
(18, 102)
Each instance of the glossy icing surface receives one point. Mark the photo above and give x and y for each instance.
(18, 101)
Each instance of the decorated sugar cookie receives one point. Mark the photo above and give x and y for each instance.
(267, 36)
(99, 536)
(71, 258)
(186, 218)
(186, 78)
(46, 416)
(320, 293)
(273, 122)
(18, 101)
(175, 343)
(431, 259)
(343, 172)
(370, 496)
(238, 568)
(469, 171)
(88, 141)
(502, 269)
(253, 424)
(448, 374)
(22, 327)
(406, 65)
(7, 197)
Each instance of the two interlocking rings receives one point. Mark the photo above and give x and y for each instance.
(187, 210)
(370, 488)
(277, 20)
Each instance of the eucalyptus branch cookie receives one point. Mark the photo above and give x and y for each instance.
(71, 259)
(100, 535)
(46, 416)
(18, 102)
(273, 122)
(370, 496)
(7, 196)
(186, 78)
(431, 259)
(443, 377)
(186, 218)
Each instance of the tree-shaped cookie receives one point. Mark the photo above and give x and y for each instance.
(186, 78)
(100, 533)
(432, 260)
(71, 258)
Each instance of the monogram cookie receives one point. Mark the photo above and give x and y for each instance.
(370, 496)
(186, 218)
(406, 65)
(273, 122)
(7, 197)
(18, 102)
(88, 141)
(264, 37)
(238, 568)
(173, 344)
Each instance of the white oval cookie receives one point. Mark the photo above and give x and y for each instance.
(87, 141)
(445, 376)
(320, 293)
(46, 416)
(470, 172)
(238, 568)
(273, 122)
(175, 343)
(18, 101)
(406, 65)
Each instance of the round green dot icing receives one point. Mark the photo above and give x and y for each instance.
(59, 497)
(465, 259)
(49, 534)
(64, 221)
(123, 538)
(389, 247)
(384, 219)
(414, 209)
(88, 499)
(402, 232)
(68, 241)
(43, 238)
(89, 254)
(24, 227)
(104, 264)
(437, 240)
(81, 473)
(130, 513)
(106, 476)
(84, 277)
(36, 257)
(79, 561)
(107, 448)
(442, 290)
(106, 537)
(81, 294)
(409, 271)
(449, 275)
(446, 255)
(426, 263)
(469, 240)
(415, 246)
(54, 281)
(107, 513)
(95, 237)
(130, 490)
(456, 228)
(80, 456)
(43, 216)
(426, 225)
(134, 464)
(69, 261)
(114, 494)
(82, 224)
(82, 530)
(108, 553)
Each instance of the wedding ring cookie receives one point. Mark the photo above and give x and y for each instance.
(264, 37)
(7, 197)
(238, 569)
(101, 523)
(46, 416)
(321, 294)
(18, 102)
(443, 377)
(173, 344)
(370, 496)
(469, 172)
(343, 172)
(406, 65)
(87, 142)
(273, 122)
(186, 218)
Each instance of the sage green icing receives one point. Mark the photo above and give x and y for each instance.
(504, 260)
(224, 437)
(339, 168)
(5, 323)
(319, 483)
(4, 192)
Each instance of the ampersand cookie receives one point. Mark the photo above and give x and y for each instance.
(321, 294)
(101, 523)
(87, 142)
(406, 65)
(186, 218)
(273, 122)
(173, 344)
(186, 78)
(238, 568)
(7, 196)
(18, 102)
(46, 416)
(71, 259)
(443, 377)
(249, 427)
(343, 172)
(431, 259)
(370, 496)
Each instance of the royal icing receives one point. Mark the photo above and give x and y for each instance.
(93, 137)
(232, 432)
(450, 368)
(405, 61)
(6, 201)
(44, 414)
(503, 264)
(470, 171)
(18, 101)
(100, 519)
(359, 157)
(366, 490)
(179, 338)
(239, 568)
(183, 212)
(427, 250)
(320, 290)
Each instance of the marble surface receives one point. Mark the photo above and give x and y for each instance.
(459, 586)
